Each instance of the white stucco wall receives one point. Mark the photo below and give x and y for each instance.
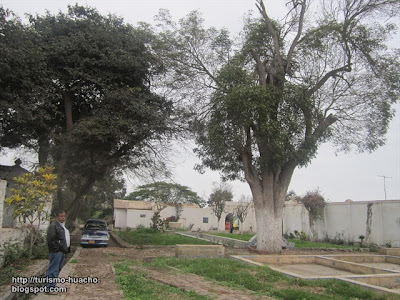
(344, 220)
(348, 220)
(134, 218)
(196, 217)
(120, 217)
(11, 236)
(295, 218)
(168, 212)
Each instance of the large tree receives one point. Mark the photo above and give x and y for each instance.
(168, 193)
(98, 112)
(322, 73)
(218, 198)
(164, 193)
(23, 82)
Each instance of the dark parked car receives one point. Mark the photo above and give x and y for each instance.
(95, 233)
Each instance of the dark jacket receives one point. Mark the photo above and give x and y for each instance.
(56, 241)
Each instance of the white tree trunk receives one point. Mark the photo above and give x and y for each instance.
(269, 229)
(269, 193)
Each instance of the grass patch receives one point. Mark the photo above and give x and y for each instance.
(136, 286)
(298, 243)
(73, 261)
(265, 281)
(148, 236)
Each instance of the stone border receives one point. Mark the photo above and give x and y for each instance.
(120, 242)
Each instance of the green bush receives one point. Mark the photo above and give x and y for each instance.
(13, 253)
(301, 235)
(14, 259)
(40, 252)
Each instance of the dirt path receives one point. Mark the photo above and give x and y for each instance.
(93, 265)
(192, 282)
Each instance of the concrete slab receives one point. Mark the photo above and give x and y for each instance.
(390, 251)
(378, 272)
(309, 270)
(386, 266)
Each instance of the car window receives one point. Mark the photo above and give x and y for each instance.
(96, 225)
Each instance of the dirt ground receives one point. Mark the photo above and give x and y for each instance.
(98, 262)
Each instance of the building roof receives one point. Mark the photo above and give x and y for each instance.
(9, 172)
(130, 204)
(185, 205)
(145, 205)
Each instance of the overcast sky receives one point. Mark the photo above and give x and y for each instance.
(338, 176)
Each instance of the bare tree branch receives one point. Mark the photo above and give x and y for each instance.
(299, 32)
(261, 8)
(327, 76)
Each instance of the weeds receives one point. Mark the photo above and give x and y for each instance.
(16, 258)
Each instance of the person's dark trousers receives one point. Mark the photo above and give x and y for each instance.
(55, 265)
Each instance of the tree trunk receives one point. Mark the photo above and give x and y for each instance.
(62, 161)
(44, 147)
(68, 110)
(269, 228)
(269, 194)
(313, 231)
(31, 242)
(59, 195)
(369, 223)
(74, 207)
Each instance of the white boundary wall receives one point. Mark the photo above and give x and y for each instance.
(342, 220)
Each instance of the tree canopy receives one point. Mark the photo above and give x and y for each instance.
(323, 73)
(92, 110)
(165, 192)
